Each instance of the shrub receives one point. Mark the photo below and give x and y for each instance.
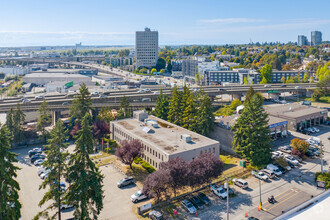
(138, 160)
(148, 167)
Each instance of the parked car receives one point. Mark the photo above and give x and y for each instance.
(267, 86)
(305, 131)
(240, 183)
(310, 154)
(44, 175)
(146, 100)
(156, 92)
(138, 196)
(102, 96)
(65, 205)
(285, 149)
(315, 151)
(219, 191)
(155, 215)
(38, 162)
(204, 198)
(65, 103)
(283, 85)
(34, 151)
(268, 173)
(37, 157)
(230, 190)
(260, 175)
(297, 158)
(125, 182)
(310, 130)
(316, 129)
(42, 170)
(188, 206)
(196, 202)
(275, 169)
(292, 160)
(95, 93)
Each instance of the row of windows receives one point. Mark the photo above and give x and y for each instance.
(150, 161)
(153, 152)
(208, 151)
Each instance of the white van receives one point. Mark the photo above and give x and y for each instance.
(275, 169)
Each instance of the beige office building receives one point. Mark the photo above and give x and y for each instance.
(146, 48)
(162, 140)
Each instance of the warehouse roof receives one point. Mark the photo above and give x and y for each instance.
(54, 75)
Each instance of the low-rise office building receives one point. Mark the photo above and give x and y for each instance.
(298, 116)
(162, 140)
(222, 132)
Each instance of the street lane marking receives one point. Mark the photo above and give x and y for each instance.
(283, 201)
(276, 197)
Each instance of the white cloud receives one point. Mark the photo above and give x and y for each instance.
(231, 20)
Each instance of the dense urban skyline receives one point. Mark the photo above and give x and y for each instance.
(178, 22)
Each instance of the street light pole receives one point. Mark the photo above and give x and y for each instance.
(227, 199)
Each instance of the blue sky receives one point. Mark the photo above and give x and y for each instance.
(108, 22)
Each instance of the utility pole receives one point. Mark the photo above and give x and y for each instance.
(321, 145)
(227, 199)
(260, 194)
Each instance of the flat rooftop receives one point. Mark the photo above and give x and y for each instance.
(59, 71)
(167, 137)
(233, 118)
(292, 110)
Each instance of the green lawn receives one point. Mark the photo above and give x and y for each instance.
(323, 99)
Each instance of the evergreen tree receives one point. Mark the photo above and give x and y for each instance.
(162, 105)
(10, 207)
(251, 139)
(81, 104)
(43, 120)
(174, 111)
(205, 116)
(85, 191)
(18, 119)
(249, 94)
(189, 111)
(55, 162)
(306, 77)
(124, 106)
(10, 121)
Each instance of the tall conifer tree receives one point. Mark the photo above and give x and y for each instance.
(10, 207)
(85, 191)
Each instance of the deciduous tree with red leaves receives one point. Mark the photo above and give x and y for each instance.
(128, 151)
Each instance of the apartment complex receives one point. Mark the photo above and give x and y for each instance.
(233, 76)
(278, 74)
(302, 40)
(162, 140)
(189, 68)
(316, 38)
(146, 48)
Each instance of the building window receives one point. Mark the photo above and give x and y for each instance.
(156, 153)
(209, 150)
(201, 152)
(213, 150)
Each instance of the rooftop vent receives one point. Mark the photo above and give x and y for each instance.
(186, 138)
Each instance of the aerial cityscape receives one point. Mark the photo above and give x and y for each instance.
(164, 110)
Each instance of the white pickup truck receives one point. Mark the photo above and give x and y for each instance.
(219, 191)
(259, 175)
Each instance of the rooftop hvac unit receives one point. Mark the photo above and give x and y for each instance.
(186, 138)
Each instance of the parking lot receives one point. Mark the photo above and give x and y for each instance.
(290, 189)
(117, 202)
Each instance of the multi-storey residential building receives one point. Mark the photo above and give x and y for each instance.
(234, 76)
(278, 74)
(176, 65)
(162, 140)
(189, 69)
(146, 48)
(302, 40)
(119, 61)
(316, 38)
